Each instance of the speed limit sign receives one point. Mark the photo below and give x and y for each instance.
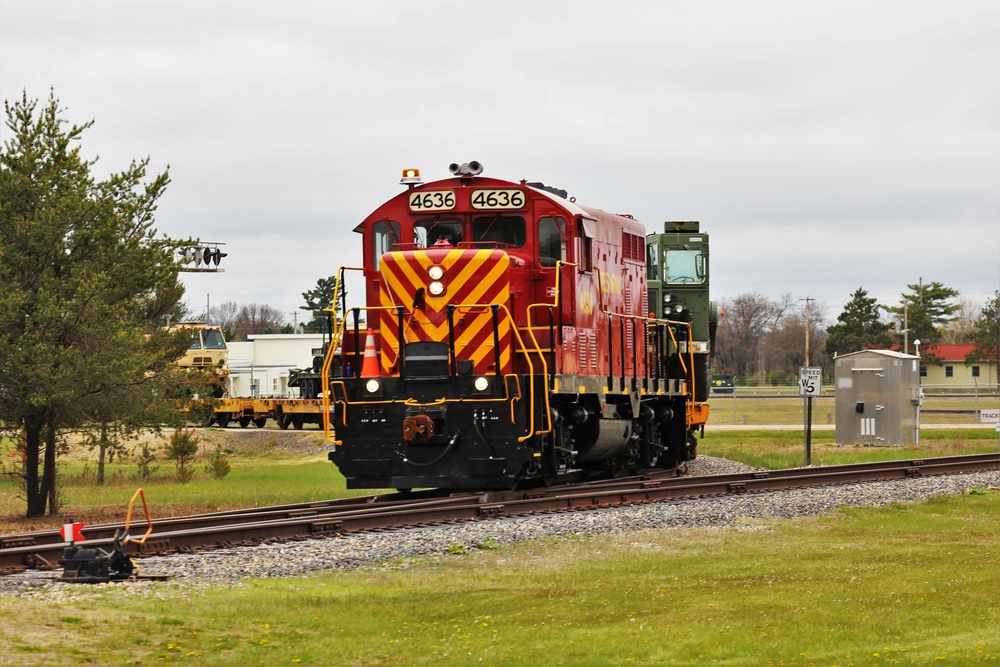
(810, 381)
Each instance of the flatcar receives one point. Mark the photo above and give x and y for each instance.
(511, 335)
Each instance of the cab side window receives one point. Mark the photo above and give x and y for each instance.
(551, 242)
(384, 234)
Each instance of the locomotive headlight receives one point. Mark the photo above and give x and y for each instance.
(667, 298)
(679, 308)
(436, 288)
(481, 384)
(435, 272)
(667, 310)
(373, 386)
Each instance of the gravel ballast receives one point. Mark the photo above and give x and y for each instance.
(744, 512)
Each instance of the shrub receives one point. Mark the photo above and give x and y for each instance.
(218, 463)
(182, 447)
(144, 462)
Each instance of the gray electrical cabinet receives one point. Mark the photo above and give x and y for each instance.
(878, 398)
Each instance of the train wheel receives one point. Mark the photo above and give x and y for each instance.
(692, 448)
(283, 420)
(222, 419)
(260, 422)
(245, 421)
(297, 422)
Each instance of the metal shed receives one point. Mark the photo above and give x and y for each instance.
(878, 398)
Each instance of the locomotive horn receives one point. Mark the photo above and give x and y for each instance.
(466, 168)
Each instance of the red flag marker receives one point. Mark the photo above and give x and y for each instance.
(72, 532)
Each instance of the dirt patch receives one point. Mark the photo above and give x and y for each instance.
(261, 442)
(236, 441)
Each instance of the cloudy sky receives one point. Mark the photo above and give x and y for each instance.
(825, 146)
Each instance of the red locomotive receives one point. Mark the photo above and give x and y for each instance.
(506, 337)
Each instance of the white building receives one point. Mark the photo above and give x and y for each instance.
(259, 367)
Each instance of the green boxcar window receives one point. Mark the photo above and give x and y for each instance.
(685, 266)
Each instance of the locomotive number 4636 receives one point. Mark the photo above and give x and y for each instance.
(497, 199)
(438, 200)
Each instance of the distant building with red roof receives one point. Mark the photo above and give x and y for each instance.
(946, 365)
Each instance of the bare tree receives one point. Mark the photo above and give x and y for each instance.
(258, 318)
(747, 318)
(963, 327)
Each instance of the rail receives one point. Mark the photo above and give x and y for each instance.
(41, 549)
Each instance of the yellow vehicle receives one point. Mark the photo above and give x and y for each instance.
(207, 351)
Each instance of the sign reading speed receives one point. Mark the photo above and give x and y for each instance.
(485, 199)
(436, 200)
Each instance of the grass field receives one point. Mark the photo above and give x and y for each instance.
(911, 584)
(898, 585)
(748, 407)
(271, 467)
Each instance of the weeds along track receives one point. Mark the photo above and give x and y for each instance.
(42, 549)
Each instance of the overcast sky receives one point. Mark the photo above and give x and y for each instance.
(825, 146)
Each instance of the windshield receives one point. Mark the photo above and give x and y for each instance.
(213, 339)
(685, 266)
(428, 232)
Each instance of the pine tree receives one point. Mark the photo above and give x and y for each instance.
(924, 310)
(318, 299)
(986, 335)
(84, 278)
(858, 327)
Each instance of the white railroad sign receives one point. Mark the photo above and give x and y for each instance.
(810, 380)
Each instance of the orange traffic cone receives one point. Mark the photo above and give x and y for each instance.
(370, 369)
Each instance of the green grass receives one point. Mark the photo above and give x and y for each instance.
(259, 477)
(752, 408)
(902, 584)
(786, 449)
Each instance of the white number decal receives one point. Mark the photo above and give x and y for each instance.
(438, 200)
(482, 199)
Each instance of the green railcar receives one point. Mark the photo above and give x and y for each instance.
(678, 291)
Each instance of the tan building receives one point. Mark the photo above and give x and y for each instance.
(945, 365)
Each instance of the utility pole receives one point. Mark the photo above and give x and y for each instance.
(808, 301)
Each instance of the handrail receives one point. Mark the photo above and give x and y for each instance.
(552, 344)
(337, 335)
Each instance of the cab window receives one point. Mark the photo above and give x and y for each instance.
(551, 243)
(213, 339)
(685, 266)
(653, 262)
(384, 234)
(428, 232)
(506, 230)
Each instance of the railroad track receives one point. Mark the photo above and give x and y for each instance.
(42, 549)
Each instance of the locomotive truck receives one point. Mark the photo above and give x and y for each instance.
(513, 335)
